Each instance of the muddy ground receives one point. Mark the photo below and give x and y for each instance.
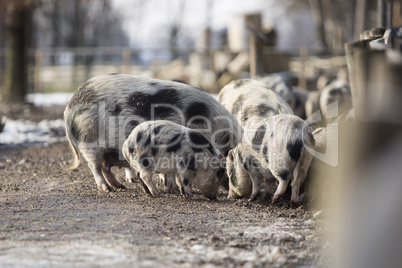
(50, 217)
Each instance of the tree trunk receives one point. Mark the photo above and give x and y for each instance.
(318, 16)
(15, 81)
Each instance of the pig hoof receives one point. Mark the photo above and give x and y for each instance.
(130, 180)
(275, 200)
(147, 192)
(173, 189)
(121, 187)
(105, 188)
(294, 204)
(145, 188)
(253, 198)
(117, 185)
(187, 196)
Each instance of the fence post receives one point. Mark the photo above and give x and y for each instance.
(38, 70)
(303, 63)
(256, 55)
(396, 11)
(253, 22)
(357, 62)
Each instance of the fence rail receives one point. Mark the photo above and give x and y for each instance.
(64, 69)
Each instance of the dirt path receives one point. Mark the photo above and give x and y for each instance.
(50, 217)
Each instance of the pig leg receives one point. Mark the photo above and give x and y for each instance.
(180, 185)
(130, 175)
(144, 187)
(162, 178)
(283, 177)
(184, 184)
(255, 188)
(96, 170)
(294, 200)
(255, 182)
(170, 182)
(300, 173)
(267, 187)
(107, 173)
(95, 165)
(146, 177)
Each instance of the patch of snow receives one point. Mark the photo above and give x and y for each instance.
(28, 133)
(47, 99)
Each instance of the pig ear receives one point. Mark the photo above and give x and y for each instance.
(221, 159)
(231, 155)
(225, 139)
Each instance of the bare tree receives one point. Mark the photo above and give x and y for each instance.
(175, 26)
(2, 46)
(18, 16)
(74, 23)
(334, 22)
(18, 19)
(318, 14)
(79, 23)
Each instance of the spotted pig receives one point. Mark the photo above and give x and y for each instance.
(337, 91)
(165, 147)
(282, 87)
(105, 109)
(276, 148)
(250, 101)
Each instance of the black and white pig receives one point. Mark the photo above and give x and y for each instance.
(300, 97)
(276, 148)
(251, 101)
(337, 91)
(165, 147)
(282, 87)
(294, 96)
(312, 104)
(105, 109)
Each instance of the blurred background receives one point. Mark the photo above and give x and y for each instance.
(55, 45)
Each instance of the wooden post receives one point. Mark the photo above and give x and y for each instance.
(38, 70)
(357, 62)
(360, 18)
(389, 13)
(253, 22)
(375, 79)
(204, 47)
(386, 13)
(396, 14)
(126, 55)
(303, 61)
(256, 56)
(373, 142)
(381, 15)
(384, 94)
